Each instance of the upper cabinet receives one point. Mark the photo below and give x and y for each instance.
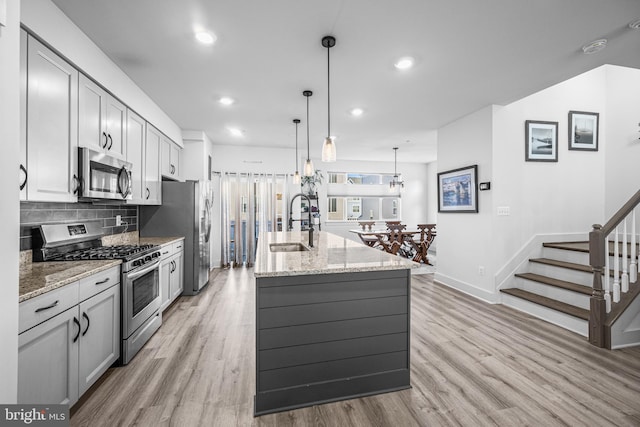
(171, 158)
(49, 142)
(153, 189)
(102, 120)
(136, 136)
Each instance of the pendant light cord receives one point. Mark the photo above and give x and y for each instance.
(328, 96)
(308, 128)
(297, 147)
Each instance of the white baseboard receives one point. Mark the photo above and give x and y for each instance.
(467, 288)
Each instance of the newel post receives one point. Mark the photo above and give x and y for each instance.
(597, 314)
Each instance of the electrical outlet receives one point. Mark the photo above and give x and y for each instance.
(481, 270)
(504, 211)
(118, 220)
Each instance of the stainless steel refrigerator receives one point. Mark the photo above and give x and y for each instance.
(185, 211)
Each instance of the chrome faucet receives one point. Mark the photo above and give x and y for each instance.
(310, 219)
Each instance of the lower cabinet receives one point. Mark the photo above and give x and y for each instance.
(171, 273)
(60, 358)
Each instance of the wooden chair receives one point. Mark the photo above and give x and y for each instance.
(366, 225)
(427, 236)
(371, 241)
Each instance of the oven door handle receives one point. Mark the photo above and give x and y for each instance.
(140, 273)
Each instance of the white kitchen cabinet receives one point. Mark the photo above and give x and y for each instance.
(100, 336)
(171, 273)
(101, 120)
(176, 284)
(136, 148)
(171, 158)
(48, 361)
(23, 115)
(64, 354)
(152, 188)
(51, 126)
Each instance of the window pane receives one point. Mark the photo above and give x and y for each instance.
(370, 208)
(390, 207)
(336, 208)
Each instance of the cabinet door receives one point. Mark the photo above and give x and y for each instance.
(91, 115)
(100, 336)
(152, 189)
(116, 114)
(176, 285)
(165, 158)
(175, 161)
(48, 361)
(136, 128)
(23, 180)
(165, 282)
(52, 125)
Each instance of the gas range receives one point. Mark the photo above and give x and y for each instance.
(82, 241)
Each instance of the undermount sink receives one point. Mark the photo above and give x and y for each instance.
(288, 247)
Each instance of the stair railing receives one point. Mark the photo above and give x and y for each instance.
(606, 242)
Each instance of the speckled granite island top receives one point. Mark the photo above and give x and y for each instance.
(330, 254)
(38, 278)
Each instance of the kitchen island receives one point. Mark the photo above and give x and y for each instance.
(332, 321)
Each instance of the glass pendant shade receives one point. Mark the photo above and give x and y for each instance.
(308, 168)
(296, 178)
(328, 150)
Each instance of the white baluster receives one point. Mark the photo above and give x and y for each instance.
(633, 267)
(607, 276)
(625, 260)
(616, 267)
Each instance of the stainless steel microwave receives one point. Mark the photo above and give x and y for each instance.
(103, 176)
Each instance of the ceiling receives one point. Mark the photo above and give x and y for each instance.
(468, 54)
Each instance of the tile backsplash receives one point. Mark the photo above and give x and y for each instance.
(36, 213)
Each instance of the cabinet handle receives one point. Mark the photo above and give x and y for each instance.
(179, 247)
(102, 282)
(165, 252)
(110, 142)
(26, 176)
(79, 329)
(78, 189)
(148, 193)
(38, 310)
(173, 169)
(88, 323)
(106, 141)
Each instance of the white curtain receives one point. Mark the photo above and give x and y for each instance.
(251, 204)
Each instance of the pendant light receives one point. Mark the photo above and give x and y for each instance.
(308, 166)
(396, 182)
(329, 146)
(296, 176)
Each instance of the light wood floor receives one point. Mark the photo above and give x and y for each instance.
(472, 364)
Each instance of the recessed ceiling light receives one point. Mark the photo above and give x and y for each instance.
(594, 46)
(635, 25)
(225, 100)
(357, 112)
(206, 37)
(404, 63)
(235, 132)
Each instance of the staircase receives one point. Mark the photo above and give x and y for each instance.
(557, 286)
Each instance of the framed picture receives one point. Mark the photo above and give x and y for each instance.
(458, 190)
(541, 141)
(583, 131)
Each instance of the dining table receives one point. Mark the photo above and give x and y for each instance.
(396, 241)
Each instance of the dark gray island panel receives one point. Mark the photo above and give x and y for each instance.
(328, 337)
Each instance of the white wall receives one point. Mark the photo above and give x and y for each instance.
(465, 241)
(44, 19)
(622, 136)
(432, 192)
(10, 206)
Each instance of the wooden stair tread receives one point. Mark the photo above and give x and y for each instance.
(548, 302)
(564, 264)
(584, 247)
(570, 286)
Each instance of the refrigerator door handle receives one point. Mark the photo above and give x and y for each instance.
(207, 210)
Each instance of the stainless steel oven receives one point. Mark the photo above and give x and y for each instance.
(103, 176)
(141, 301)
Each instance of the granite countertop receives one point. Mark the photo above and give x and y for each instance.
(38, 278)
(161, 241)
(330, 254)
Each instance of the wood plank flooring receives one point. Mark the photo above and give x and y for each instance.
(472, 364)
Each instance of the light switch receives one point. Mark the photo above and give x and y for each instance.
(504, 211)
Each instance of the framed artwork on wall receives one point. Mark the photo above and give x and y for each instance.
(583, 131)
(458, 190)
(541, 141)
